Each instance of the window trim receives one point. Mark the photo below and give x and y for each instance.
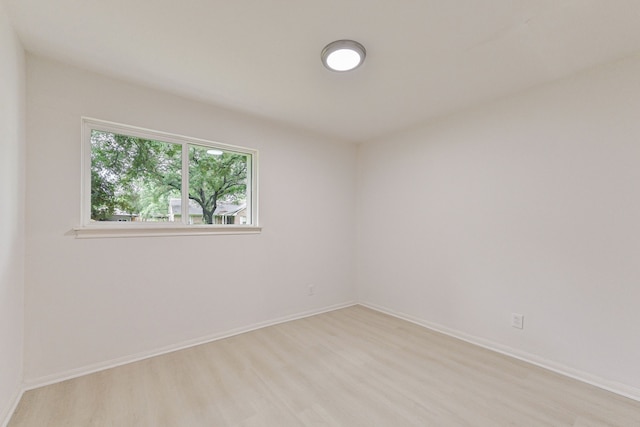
(93, 229)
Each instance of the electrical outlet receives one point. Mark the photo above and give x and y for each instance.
(312, 290)
(517, 320)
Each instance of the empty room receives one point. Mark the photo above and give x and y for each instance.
(336, 213)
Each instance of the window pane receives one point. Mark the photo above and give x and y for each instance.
(133, 179)
(218, 186)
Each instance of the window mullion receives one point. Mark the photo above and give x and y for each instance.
(185, 184)
(250, 191)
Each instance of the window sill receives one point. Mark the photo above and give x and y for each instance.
(90, 232)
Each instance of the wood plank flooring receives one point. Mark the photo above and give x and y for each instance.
(350, 367)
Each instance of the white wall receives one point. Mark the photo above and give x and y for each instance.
(528, 205)
(12, 165)
(93, 301)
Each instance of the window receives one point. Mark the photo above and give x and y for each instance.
(142, 179)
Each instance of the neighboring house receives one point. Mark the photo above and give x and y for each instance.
(226, 213)
(123, 217)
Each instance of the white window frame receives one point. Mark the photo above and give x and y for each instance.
(94, 229)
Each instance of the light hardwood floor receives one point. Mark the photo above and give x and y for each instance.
(350, 367)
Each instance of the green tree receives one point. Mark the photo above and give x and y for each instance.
(138, 176)
(215, 177)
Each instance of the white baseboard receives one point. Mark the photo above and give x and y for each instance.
(4, 418)
(108, 364)
(612, 386)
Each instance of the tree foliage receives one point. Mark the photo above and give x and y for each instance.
(215, 177)
(139, 176)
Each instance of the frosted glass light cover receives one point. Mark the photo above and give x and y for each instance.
(343, 60)
(343, 55)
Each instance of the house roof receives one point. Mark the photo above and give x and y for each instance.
(223, 208)
(424, 58)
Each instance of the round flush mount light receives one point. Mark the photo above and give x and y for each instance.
(215, 152)
(343, 55)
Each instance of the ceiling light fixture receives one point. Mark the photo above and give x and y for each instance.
(215, 152)
(343, 55)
